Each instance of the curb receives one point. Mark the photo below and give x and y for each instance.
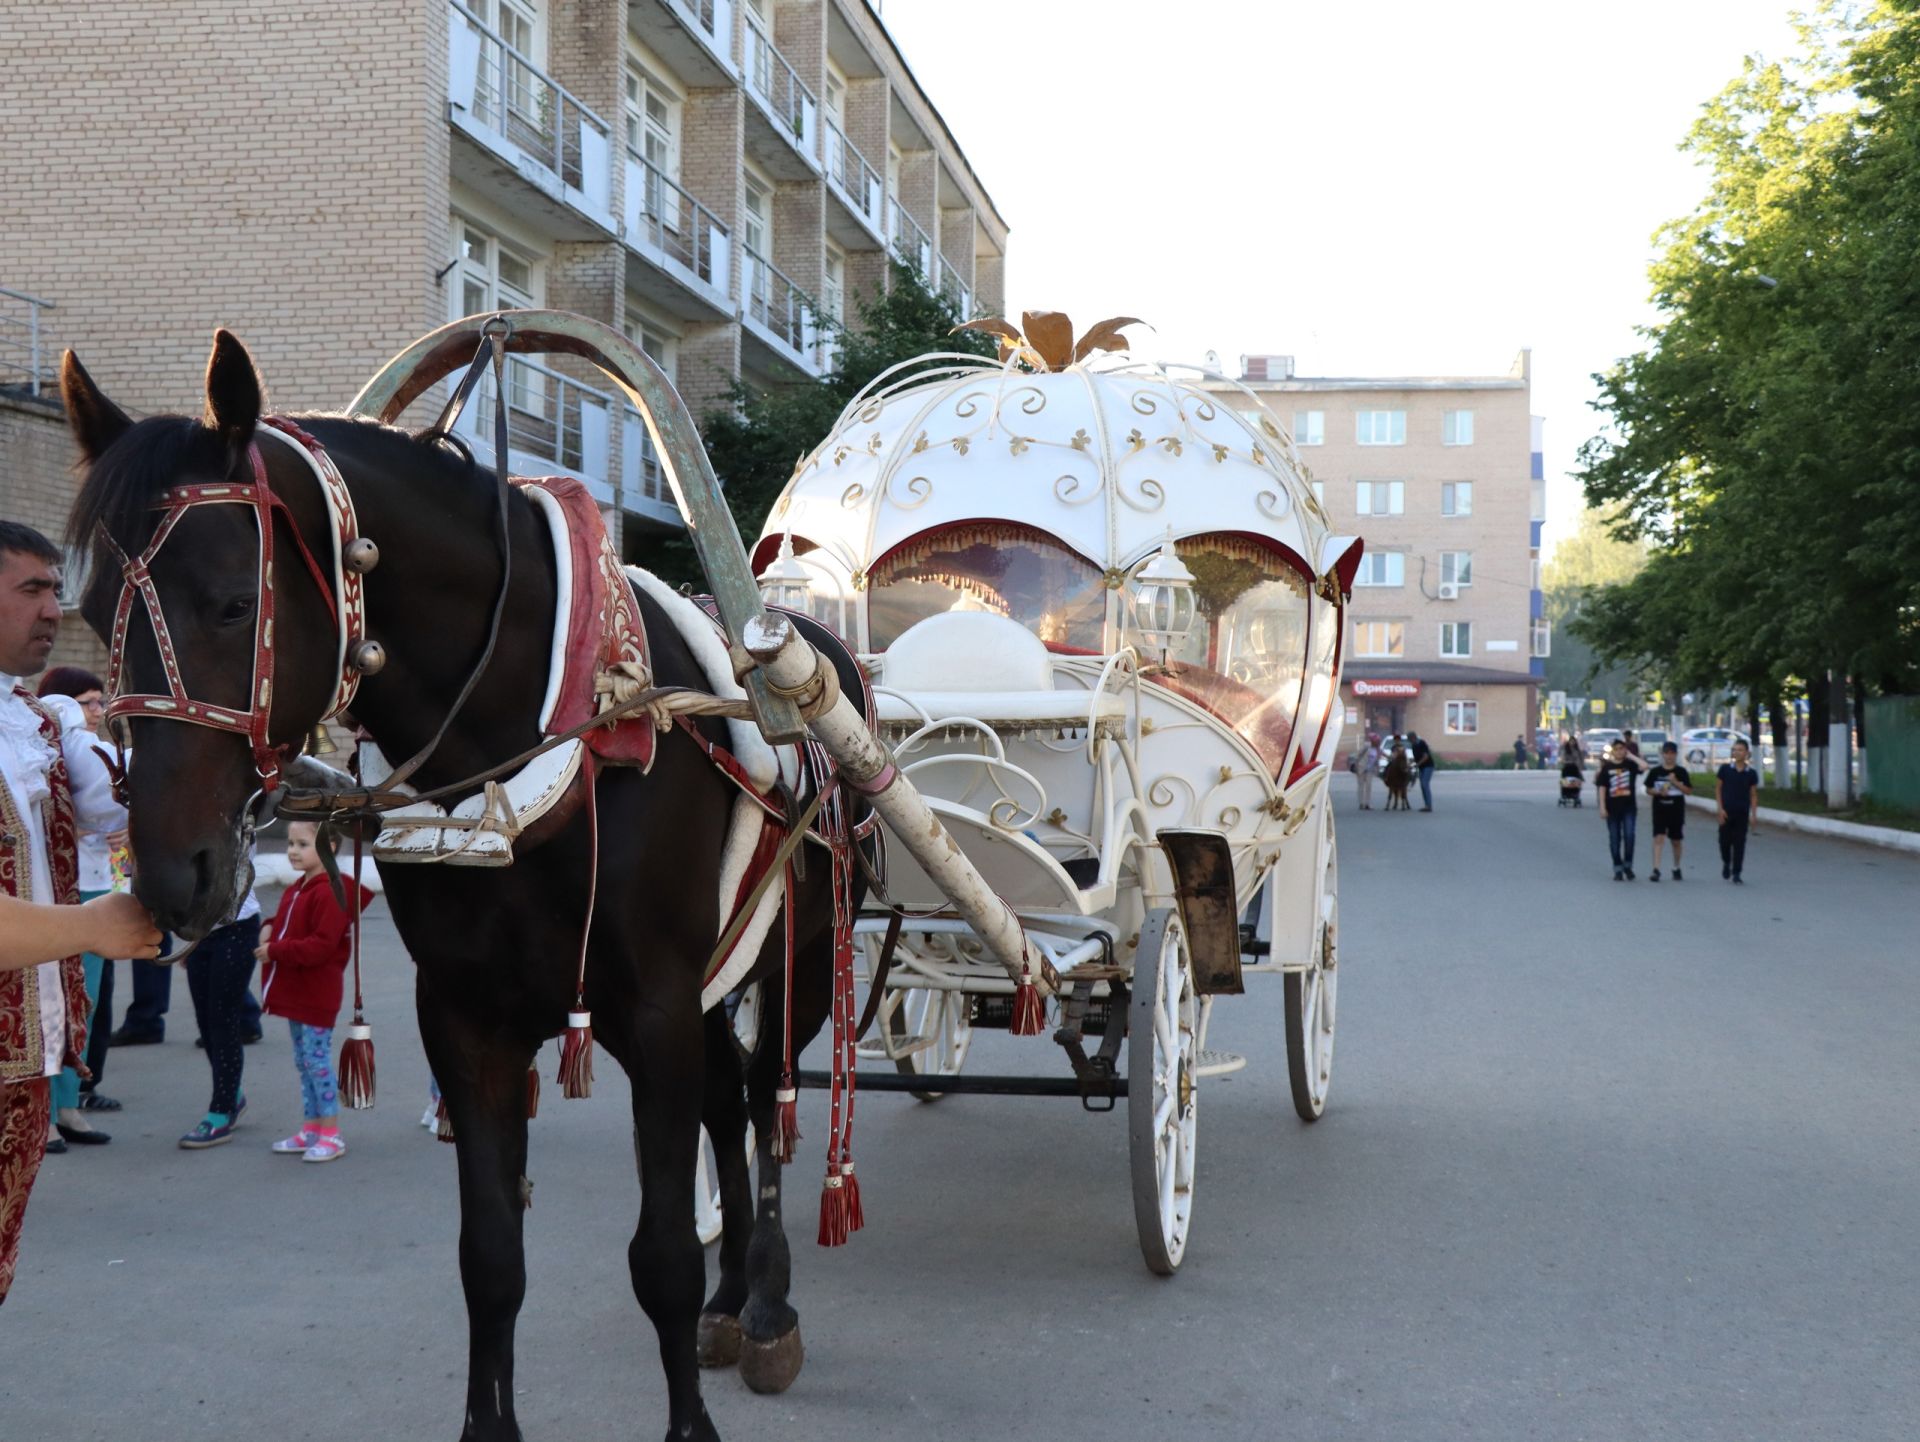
(1889, 837)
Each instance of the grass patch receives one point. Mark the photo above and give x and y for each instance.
(1812, 803)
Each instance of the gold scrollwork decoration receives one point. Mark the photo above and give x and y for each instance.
(918, 489)
(1274, 505)
(1081, 440)
(852, 496)
(1068, 488)
(1153, 495)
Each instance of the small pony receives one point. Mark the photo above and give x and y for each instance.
(1398, 776)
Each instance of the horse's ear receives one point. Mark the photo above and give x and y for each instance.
(233, 392)
(97, 422)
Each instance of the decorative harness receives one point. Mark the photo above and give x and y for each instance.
(343, 594)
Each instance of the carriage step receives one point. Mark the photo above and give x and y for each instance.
(1218, 1063)
(902, 1046)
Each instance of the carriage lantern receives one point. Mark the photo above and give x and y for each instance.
(1163, 600)
(785, 582)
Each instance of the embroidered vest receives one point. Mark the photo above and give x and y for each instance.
(22, 1052)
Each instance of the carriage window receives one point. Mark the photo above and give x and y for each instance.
(1010, 570)
(1246, 655)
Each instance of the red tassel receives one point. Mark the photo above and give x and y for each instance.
(833, 1211)
(1029, 1014)
(786, 1119)
(444, 1129)
(850, 1184)
(356, 1066)
(576, 1056)
(533, 1092)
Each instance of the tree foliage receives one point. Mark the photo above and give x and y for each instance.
(1766, 441)
(1583, 566)
(758, 439)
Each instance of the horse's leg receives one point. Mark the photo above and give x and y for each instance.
(483, 1081)
(665, 1257)
(725, 1117)
(771, 1353)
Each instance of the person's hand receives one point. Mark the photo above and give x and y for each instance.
(1723, 818)
(122, 928)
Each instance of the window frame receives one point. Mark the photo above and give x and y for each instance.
(1451, 426)
(1314, 432)
(1451, 494)
(1540, 638)
(1455, 558)
(1457, 629)
(1366, 564)
(1455, 712)
(1364, 425)
(1396, 498)
(1392, 628)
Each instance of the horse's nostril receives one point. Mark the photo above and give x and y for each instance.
(202, 873)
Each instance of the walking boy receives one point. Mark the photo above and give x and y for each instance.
(1619, 805)
(1669, 784)
(1737, 790)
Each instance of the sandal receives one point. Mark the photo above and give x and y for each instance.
(295, 1144)
(326, 1149)
(95, 1102)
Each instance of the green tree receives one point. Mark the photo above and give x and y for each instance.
(757, 440)
(1581, 567)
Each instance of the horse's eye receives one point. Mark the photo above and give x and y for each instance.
(239, 609)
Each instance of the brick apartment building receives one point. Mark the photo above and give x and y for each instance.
(1443, 477)
(711, 176)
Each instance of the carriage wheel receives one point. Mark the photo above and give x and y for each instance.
(945, 1020)
(1310, 996)
(747, 1006)
(1163, 1042)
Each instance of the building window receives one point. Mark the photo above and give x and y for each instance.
(1456, 498)
(1379, 638)
(653, 338)
(1456, 638)
(1533, 571)
(1463, 718)
(1309, 428)
(1456, 568)
(652, 113)
(1456, 428)
(1381, 568)
(1539, 501)
(833, 284)
(1320, 493)
(1380, 428)
(756, 238)
(492, 274)
(1380, 498)
(1542, 636)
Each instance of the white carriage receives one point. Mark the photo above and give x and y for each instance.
(1102, 612)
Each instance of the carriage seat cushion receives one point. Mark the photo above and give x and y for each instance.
(977, 664)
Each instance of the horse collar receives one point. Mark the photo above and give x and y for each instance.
(343, 592)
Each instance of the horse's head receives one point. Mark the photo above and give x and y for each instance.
(265, 671)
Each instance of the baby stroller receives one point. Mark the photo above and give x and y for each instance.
(1572, 782)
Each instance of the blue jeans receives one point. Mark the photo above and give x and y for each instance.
(1620, 831)
(1426, 787)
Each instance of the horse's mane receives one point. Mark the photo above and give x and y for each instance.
(118, 494)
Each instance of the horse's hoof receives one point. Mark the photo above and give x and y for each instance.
(719, 1339)
(769, 1367)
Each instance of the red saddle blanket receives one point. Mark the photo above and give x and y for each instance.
(603, 632)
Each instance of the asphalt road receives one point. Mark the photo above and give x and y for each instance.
(1602, 1161)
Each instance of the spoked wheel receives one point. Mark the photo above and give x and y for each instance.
(938, 1025)
(1163, 1052)
(1310, 996)
(706, 1176)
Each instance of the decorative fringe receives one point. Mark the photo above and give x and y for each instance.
(850, 1184)
(444, 1128)
(1029, 1014)
(786, 1119)
(576, 1057)
(356, 1066)
(833, 1211)
(533, 1091)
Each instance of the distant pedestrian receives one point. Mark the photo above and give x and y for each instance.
(219, 973)
(1737, 790)
(1626, 739)
(1520, 753)
(1366, 765)
(1619, 804)
(1422, 756)
(1669, 784)
(303, 963)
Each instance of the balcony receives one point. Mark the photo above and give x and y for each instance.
(857, 186)
(554, 423)
(908, 241)
(644, 491)
(29, 358)
(696, 40)
(685, 242)
(776, 314)
(520, 138)
(783, 123)
(956, 289)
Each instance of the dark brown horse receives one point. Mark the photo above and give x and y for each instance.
(495, 950)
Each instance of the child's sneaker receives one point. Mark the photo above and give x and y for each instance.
(326, 1147)
(207, 1133)
(298, 1142)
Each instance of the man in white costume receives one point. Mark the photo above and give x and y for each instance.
(50, 789)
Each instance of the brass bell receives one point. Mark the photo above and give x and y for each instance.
(367, 657)
(361, 556)
(321, 743)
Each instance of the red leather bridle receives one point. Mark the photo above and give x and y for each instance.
(343, 594)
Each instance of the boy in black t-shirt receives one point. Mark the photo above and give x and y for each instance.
(1737, 789)
(1620, 805)
(1669, 784)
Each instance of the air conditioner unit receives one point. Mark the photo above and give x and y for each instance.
(1449, 591)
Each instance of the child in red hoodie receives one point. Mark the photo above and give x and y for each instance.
(303, 957)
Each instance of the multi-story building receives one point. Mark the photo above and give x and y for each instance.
(1443, 477)
(714, 177)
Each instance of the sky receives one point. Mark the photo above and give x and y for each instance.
(1397, 187)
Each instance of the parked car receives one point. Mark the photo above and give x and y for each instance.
(1710, 746)
(1651, 742)
(1598, 740)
